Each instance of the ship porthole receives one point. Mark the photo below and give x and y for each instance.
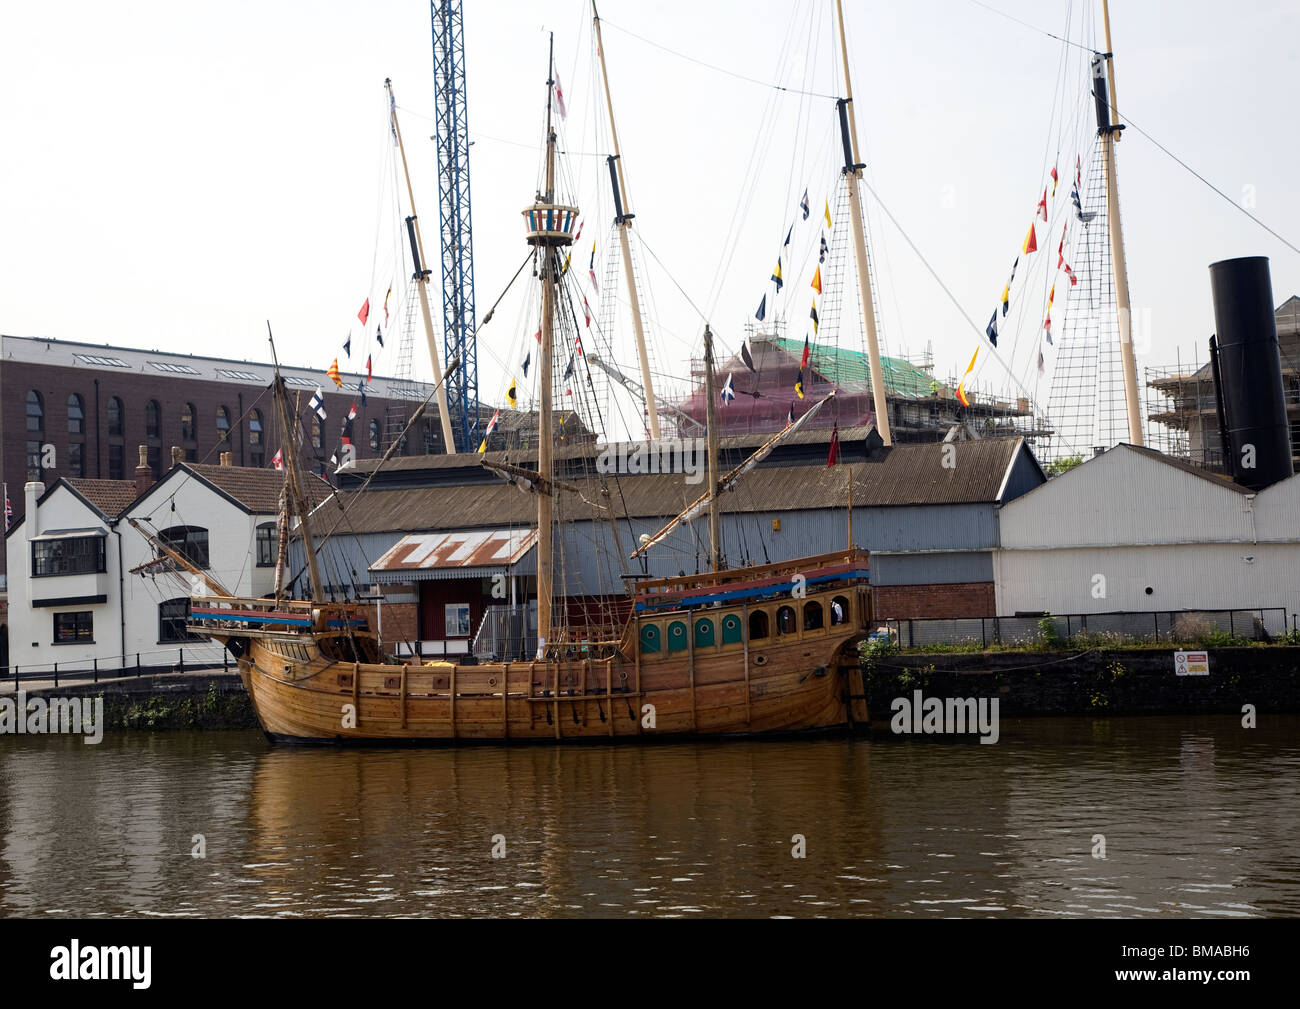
(760, 660)
(492, 681)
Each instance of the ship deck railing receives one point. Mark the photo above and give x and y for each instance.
(760, 581)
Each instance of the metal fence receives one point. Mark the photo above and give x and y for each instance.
(140, 664)
(1189, 626)
(507, 632)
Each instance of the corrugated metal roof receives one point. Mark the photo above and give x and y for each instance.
(1218, 479)
(901, 475)
(480, 548)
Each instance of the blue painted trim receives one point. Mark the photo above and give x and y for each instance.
(734, 594)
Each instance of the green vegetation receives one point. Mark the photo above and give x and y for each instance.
(1059, 466)
(212, 710)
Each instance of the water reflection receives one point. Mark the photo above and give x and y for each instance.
(1197, 817)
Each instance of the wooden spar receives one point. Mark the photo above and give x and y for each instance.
(282, 537)
(624, 223)
(545, 464)
(422, 284)
(760, 453)
(176, 557)
(715, 520)
(1128, 359)
(288, 445)
(852, 173)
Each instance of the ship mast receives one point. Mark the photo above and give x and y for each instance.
(1110, 134)
(715, 519)
(623, 217)
(852, 173)
(550, 226)
(288, 445)
(422, 280)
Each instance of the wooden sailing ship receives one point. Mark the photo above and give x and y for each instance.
(757, 650)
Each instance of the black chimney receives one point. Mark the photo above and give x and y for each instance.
(1250, 372)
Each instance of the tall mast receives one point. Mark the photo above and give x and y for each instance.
(288, 445)
(852, 173)
(422, 280)
(550, 226)
(623, 217)
(1109, 136)
(715, 519)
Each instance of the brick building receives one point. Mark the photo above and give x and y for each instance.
(79, 410)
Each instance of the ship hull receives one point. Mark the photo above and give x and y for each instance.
(799, 688)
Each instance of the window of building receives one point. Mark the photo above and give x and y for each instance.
(188, 432)
(35, 411)
(116, 462)
(223, 424)
(374, 435)
(315, 433)
(173, 614)
(76, 415)
(74, 628)
(255, 428)
(33, 460)
(785, 620)
(839, 610)
(268, 544)
(191, 542)
(174, 369)
(79, 555)
(115, 418)
(155, 461)
(76, 459)
(812, 616)
(758, 627)
(457, 620)
(432, 437)
(152, 418)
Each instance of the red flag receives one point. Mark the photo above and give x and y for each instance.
(367, 367)
(1042, 206)
(277, 460)
(333, 373)
(834, 456)
(586, 310)
(803, 361)
(1054, 180)
(364, 314)
(1031, 241)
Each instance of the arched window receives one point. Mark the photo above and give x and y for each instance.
(758, 626)
(191, 542)
(315, 433)
(76, 415)
(268, 544)
(35, 411)
(839, 610)
(785, 620)
(731, 629)
(115, 419)
(187, 423)
(812, 615)
(705, 633)
(152, 420)
(649, 639)
(256, 444)
(677, 636)
(173, 614)
(374, 435)
(223, 424)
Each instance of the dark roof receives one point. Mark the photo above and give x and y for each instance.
(901, 475)
(256, 491)
(1218, 479)
(109, 497)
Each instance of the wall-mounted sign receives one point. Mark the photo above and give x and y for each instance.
(1192, 663)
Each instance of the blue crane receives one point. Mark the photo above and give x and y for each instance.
(452, 118)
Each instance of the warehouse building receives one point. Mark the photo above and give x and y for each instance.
(1132, 530)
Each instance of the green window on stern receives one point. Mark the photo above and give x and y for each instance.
(731, 629)
(649, 639)
(705, 636)
(677, 636)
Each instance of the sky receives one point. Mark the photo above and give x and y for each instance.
(175, 174)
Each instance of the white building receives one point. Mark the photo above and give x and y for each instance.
(74, 598)
(1132, 530)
